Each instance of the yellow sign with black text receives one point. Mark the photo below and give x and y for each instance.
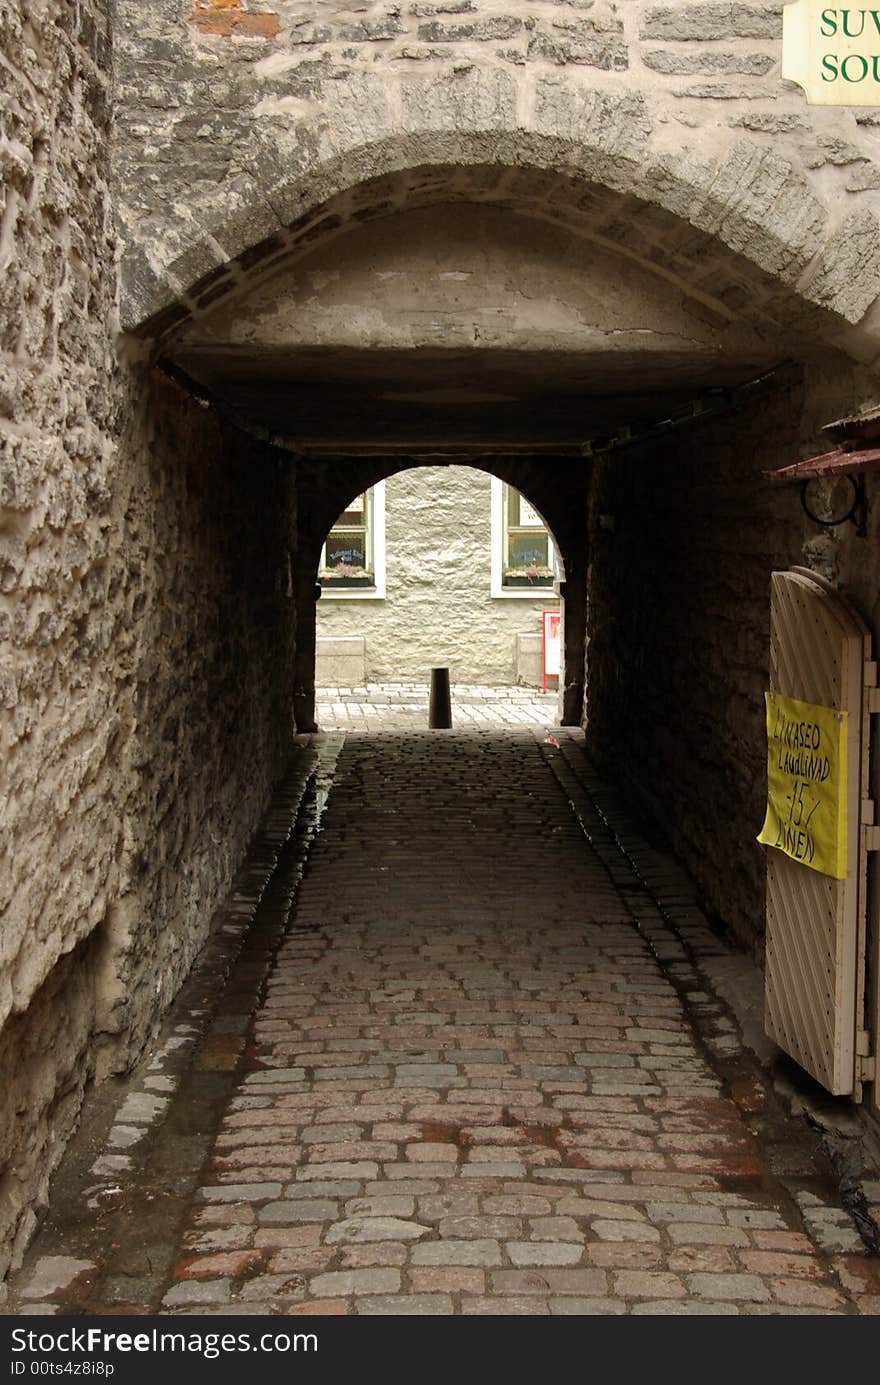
(806, 783)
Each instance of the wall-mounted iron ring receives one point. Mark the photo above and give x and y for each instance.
(856, 514)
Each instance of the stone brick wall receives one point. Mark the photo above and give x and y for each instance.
(203, 685)
(58, 726)
(439, 608)
(685, 533)
(157, 724)
(143, 610)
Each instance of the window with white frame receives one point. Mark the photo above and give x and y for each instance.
(523, 557)
(353, 557)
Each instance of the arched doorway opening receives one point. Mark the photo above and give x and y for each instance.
(440, 566)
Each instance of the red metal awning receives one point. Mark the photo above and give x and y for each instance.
(840, 462)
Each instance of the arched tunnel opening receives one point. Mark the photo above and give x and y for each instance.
(637, 405)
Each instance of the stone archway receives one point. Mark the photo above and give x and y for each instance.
(679, 275)
(301, 339)
(601, 159)
(462, 330)
(735, 210)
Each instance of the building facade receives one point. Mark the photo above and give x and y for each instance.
(433, 568)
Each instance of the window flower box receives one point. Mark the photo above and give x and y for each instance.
(366, 581)
(539, 578)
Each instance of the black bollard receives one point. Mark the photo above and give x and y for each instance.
(440, 708)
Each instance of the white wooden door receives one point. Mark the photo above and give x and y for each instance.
(815, 961)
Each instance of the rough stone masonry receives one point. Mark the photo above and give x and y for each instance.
(125, 510)
(234, 120)
(160, 163)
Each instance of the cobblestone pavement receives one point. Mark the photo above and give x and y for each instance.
(404, 707)
(485, 1078)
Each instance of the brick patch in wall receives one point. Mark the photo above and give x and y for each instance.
(228, 17)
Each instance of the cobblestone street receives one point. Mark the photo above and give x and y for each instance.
(484, 1076)
(404, 706)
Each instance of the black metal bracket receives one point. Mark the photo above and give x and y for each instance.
(857, 513)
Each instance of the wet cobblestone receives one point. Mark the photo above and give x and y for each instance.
(474, 1084)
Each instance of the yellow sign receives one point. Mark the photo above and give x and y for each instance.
(834, 54)
(806, 784)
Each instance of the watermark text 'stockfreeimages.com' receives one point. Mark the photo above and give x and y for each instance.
(95, 1341)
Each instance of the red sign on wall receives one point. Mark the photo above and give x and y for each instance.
(551, 645)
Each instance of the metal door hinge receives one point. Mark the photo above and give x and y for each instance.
(872, 701)
(871, 838)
